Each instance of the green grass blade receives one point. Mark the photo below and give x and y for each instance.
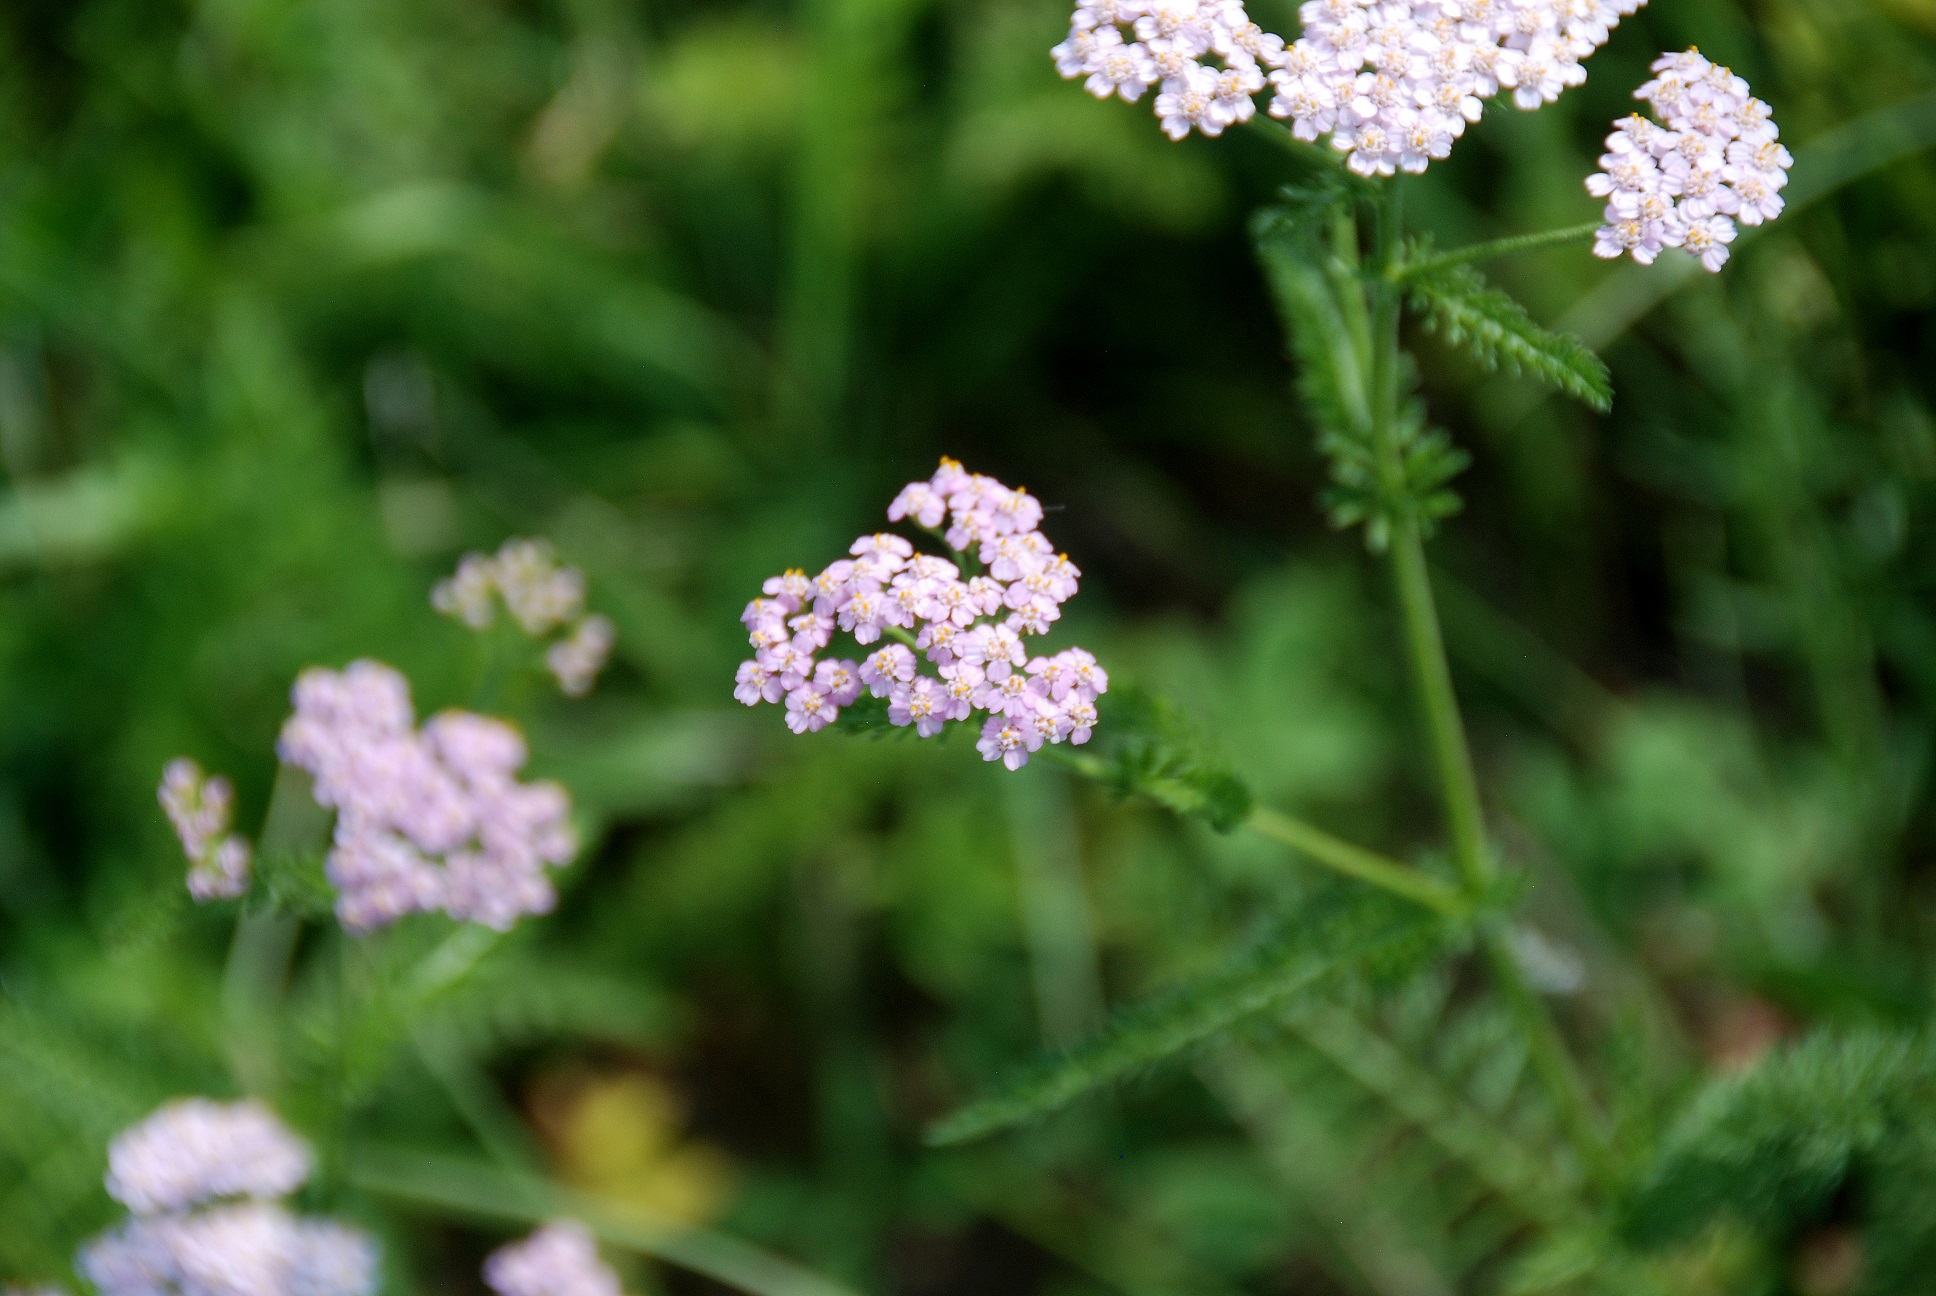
(469, 1188)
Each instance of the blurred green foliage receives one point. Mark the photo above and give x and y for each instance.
(301, 298)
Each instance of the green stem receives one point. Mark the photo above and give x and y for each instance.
(1355, 861)
(1445, 728)
(1317, 845)
(1497, 248)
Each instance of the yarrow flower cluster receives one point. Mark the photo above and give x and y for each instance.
(541, 597)
(971, 628)
(1392, 83)
(194, 1150)
(1717, 160)
(200, 808)
(202, 1181)
(559, 1259)
(426, 819)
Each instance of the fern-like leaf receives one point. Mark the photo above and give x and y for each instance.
(1342, 930)
(1771, 1148)
(1468, 312)
(1289, 239)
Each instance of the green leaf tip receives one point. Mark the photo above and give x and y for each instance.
(1468, 312)
(1355, 927)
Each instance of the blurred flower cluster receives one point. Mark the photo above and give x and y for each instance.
(201, 809)
(1717, 160)
(426, 819)
(541, 597)
(971, 630)
(1393, 83)
(559, 1259)
(203, 1182)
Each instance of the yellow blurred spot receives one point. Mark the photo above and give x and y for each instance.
(620, 1136)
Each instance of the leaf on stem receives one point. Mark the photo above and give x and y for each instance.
(1348, 928)
(1289, 239)
(1148, 748)
(1467, 311)
(1321, 301)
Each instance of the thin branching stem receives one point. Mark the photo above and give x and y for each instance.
(1355, 861)
(1495, 248)
(1445, 728)
(1317, 845)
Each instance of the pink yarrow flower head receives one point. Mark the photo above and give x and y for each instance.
(200, 809)
(1392, 84)
(543, 597)
(1713, 162)
(965, 617)
(202, 1181)
(559, 1259)
(887, 667)
(430, 819)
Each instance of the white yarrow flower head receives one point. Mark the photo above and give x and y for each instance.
(194, 1151)
(426, 819)
(1714, 161)
(576, 660)
(906, 609)
(559, 1259)
(201, 808)
(1391, 83)
(202, 1180)
(541, 596)
(243, 1249)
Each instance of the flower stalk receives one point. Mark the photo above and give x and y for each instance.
(1439, 703)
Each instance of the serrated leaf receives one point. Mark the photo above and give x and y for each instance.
(1358, 926)
(1460, 306)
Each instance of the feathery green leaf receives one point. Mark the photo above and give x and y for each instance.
(1468, 312)
(1149, 748)
(1289, 239)
(1343, 929)
(1772, 1147)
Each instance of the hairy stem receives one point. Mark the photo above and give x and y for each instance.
(1496, 248)
(1439, 703)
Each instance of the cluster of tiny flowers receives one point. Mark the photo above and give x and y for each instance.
(1392, 83)
(201, 808)
(559, 1259)
(541, 597)
(972, 630)
(1717, 160)
(202, 1182)
(426, 819)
